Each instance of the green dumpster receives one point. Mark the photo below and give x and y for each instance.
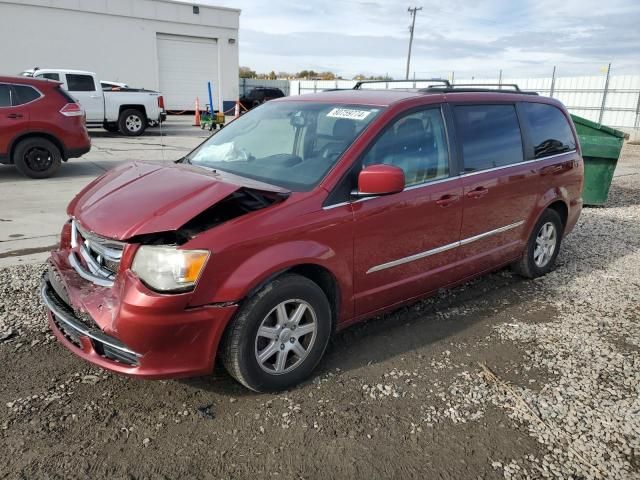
(601, 147)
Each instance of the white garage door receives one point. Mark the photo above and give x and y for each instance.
(185, 66)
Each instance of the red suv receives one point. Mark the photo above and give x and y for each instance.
(304, 216)
(40, 125)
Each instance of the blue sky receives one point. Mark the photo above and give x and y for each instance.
(479, 37)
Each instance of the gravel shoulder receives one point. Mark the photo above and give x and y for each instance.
(499, 378)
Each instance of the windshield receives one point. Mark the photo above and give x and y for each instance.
(289, 144)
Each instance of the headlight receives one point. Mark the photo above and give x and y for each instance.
(168, 269)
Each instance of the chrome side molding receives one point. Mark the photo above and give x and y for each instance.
(443, 248)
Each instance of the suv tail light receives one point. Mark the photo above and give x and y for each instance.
(161, 102)
(72, 110)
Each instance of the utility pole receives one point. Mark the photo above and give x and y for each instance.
(412, 12)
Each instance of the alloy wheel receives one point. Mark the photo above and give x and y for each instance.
(545, 246)
(133, 123)
(286, 336)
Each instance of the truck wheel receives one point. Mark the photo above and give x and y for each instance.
(279, 335)
(132, 122)
(37, 157)
(543, 246)
(111, 127)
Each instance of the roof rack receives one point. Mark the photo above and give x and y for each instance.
(358, 86)
(477, 87)
(485, 85)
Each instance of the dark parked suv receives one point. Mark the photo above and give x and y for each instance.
(304, 216)
(40, 126)
(259, 95)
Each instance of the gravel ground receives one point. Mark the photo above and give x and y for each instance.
(499, 378)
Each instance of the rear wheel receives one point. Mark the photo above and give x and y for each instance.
(37, 157)
(132, 122)
(543, 246)
(279, 335)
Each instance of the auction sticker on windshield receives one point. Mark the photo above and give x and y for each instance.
(349, 113)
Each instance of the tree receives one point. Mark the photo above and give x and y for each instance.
(360, 76)
(308, 74)
(246, 72)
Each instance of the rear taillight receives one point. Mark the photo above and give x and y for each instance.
(161, 102)
(72, 110)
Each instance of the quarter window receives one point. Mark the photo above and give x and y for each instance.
(416, 143)
(80, 83)
(490, 136)
(24, 94)
(5, 96)
(549, 130)
(50, 76)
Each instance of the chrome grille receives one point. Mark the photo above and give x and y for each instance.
(101, 256)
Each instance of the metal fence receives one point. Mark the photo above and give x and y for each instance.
(612, 100)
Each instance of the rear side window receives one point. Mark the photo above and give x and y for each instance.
(5, 96)
(25, 94)
(549, 130)
(490, 136)
(50, 76)
(80, 83)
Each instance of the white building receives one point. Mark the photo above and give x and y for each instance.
(155, 44)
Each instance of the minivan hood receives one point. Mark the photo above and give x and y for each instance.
(141, 198)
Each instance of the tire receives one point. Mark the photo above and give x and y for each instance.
(543, 246)
(111, 127)
(265, 312)
(37, 157)
(132, 122)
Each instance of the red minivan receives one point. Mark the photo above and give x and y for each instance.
(304, 216)
(40, 126)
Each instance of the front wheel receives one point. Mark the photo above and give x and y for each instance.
(37, 157)
(279, 335)
(132, 122)
(543, 246)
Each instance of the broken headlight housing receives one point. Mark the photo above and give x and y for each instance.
(168, 269)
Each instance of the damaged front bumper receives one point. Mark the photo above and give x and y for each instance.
(128, 328)
(81, 334)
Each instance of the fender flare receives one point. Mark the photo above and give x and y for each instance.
(35, 133)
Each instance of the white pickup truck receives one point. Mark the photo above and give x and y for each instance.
(127, 110)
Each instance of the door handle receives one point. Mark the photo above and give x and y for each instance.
(95, 96)
(446, 200)
(14, 115)
(478, 192)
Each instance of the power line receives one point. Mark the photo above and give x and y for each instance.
(412, 12)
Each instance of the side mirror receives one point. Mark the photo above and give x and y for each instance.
(379, 180)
